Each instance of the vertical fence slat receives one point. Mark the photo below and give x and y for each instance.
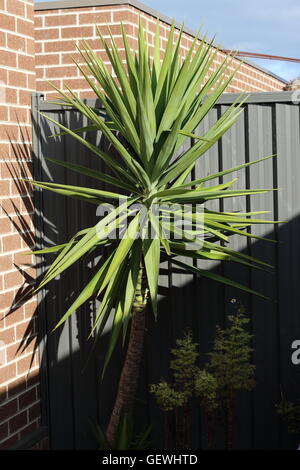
(263, 312)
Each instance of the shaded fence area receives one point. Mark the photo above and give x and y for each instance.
(73, 395)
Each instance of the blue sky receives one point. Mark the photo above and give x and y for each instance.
(265, 26)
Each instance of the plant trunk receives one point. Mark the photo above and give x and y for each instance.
(131, 367)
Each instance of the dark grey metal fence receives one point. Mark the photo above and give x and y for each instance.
(73, 395)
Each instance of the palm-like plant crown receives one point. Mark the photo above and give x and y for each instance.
(152, 106)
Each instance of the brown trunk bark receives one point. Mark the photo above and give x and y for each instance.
(131, 367)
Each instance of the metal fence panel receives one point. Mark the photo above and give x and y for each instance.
(74, 395)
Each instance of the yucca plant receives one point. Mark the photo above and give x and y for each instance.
(152, 105)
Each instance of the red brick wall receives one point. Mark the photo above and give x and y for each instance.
(19, 384)
(57, 31)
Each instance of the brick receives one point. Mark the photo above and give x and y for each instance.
(26, 204)
(23, 330)
(38, 21)
(18, 114)
(6, 301)
(44, 34)
(7, 22)
(24, 364)
(18, 422)
(76, 83)
(24, 27)
(29, 13)
(60, 20)
(3, 116)
(8, 409)
(9, 132)
(23, 151)
(8, 443)
(96, 45)
(15, 316)
(3, 75)
(13, 352)
(15, 7)
(4, 191)
(47, 59)
(50, 96)
(30, 271)
(32, 379)
(38, 47)
(34, 411)
(40, 73)
(11, 96)
(30, 46)
(27, 398)
(30, 309)
(19, 188)
(16, 42)
(3, 393)
(16, 387)
(116, 29)
(95, 17)
(77, 32)
(11, 242)
(31, 82)
(30, 347)
(59, 46)
(24, 98)
(86, 94)
(14, 279)
(5, 260)
(67, 58)
(8, 58)
(8, 335)
(26, 62)
(3, 431)
(61, 72)
(2, 39)
(17, 79)
(21, 258)
(7, 372)
(74, 10)
(45, 86)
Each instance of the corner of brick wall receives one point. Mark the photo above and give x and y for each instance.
(57, 32)
(19, 365)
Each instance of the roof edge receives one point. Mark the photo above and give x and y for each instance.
(64, 4)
